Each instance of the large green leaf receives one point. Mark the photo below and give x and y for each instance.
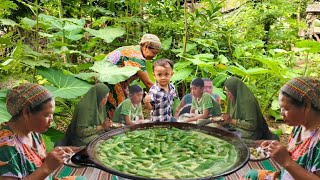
(253, 71)
(313, 46)
(182, 74)
(219, 80)
(4, 115)
(166, 44)
(65, 86)
(112, 74)
(28, 23)
(108, 34)
(8, 22)
(236, 71)
(204, 57)
(3, 93)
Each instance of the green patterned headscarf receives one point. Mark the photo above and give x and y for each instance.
(304, 89)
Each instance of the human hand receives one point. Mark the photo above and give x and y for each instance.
(278, 152)
(53, 160)
(226, 118)
(106, 124)
(147, 98)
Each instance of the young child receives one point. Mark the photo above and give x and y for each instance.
(129, 112)
(203, 105)
(160, 97)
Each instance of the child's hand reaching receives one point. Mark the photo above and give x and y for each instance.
(147, 98)
(107, 124)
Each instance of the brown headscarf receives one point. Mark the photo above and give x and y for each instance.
(304, 89)
(28, 94)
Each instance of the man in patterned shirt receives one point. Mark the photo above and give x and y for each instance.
(161, 95)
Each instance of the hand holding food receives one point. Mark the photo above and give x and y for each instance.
(226, 118)
(278, 152)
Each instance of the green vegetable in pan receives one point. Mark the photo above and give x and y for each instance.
(167, 153)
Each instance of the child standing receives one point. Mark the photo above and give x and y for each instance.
(203, 105)
(129, 112)
(160, 97)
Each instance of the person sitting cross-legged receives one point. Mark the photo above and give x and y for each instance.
(129, 112)
(203, 105)
(185, 104)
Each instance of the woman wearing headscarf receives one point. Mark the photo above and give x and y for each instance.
(135, 56)
(89, 118)
(22, 149)
(299, 101)
(243, 112)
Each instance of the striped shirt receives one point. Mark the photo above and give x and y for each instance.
(161, 102)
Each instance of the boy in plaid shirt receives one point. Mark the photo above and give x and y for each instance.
(161, 95)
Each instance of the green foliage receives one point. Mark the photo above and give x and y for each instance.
(110, 73)
(256, 41)
(65, 86)
(4, 115)
(108, 34)
(50, 137)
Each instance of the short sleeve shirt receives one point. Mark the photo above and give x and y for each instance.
(305, 152)
(206, 102)
(18, 159)
(126, 108)
(162, 102)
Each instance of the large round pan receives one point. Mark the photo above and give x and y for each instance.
(88, 156)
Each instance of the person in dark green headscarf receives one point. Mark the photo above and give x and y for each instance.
(244, 113)
(89, 118)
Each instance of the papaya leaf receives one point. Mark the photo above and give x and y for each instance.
(65, 86)
(108, 34)
(112, 74)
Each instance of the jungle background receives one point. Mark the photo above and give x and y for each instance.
(60, 44)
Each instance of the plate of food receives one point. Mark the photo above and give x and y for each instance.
(258, 154)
